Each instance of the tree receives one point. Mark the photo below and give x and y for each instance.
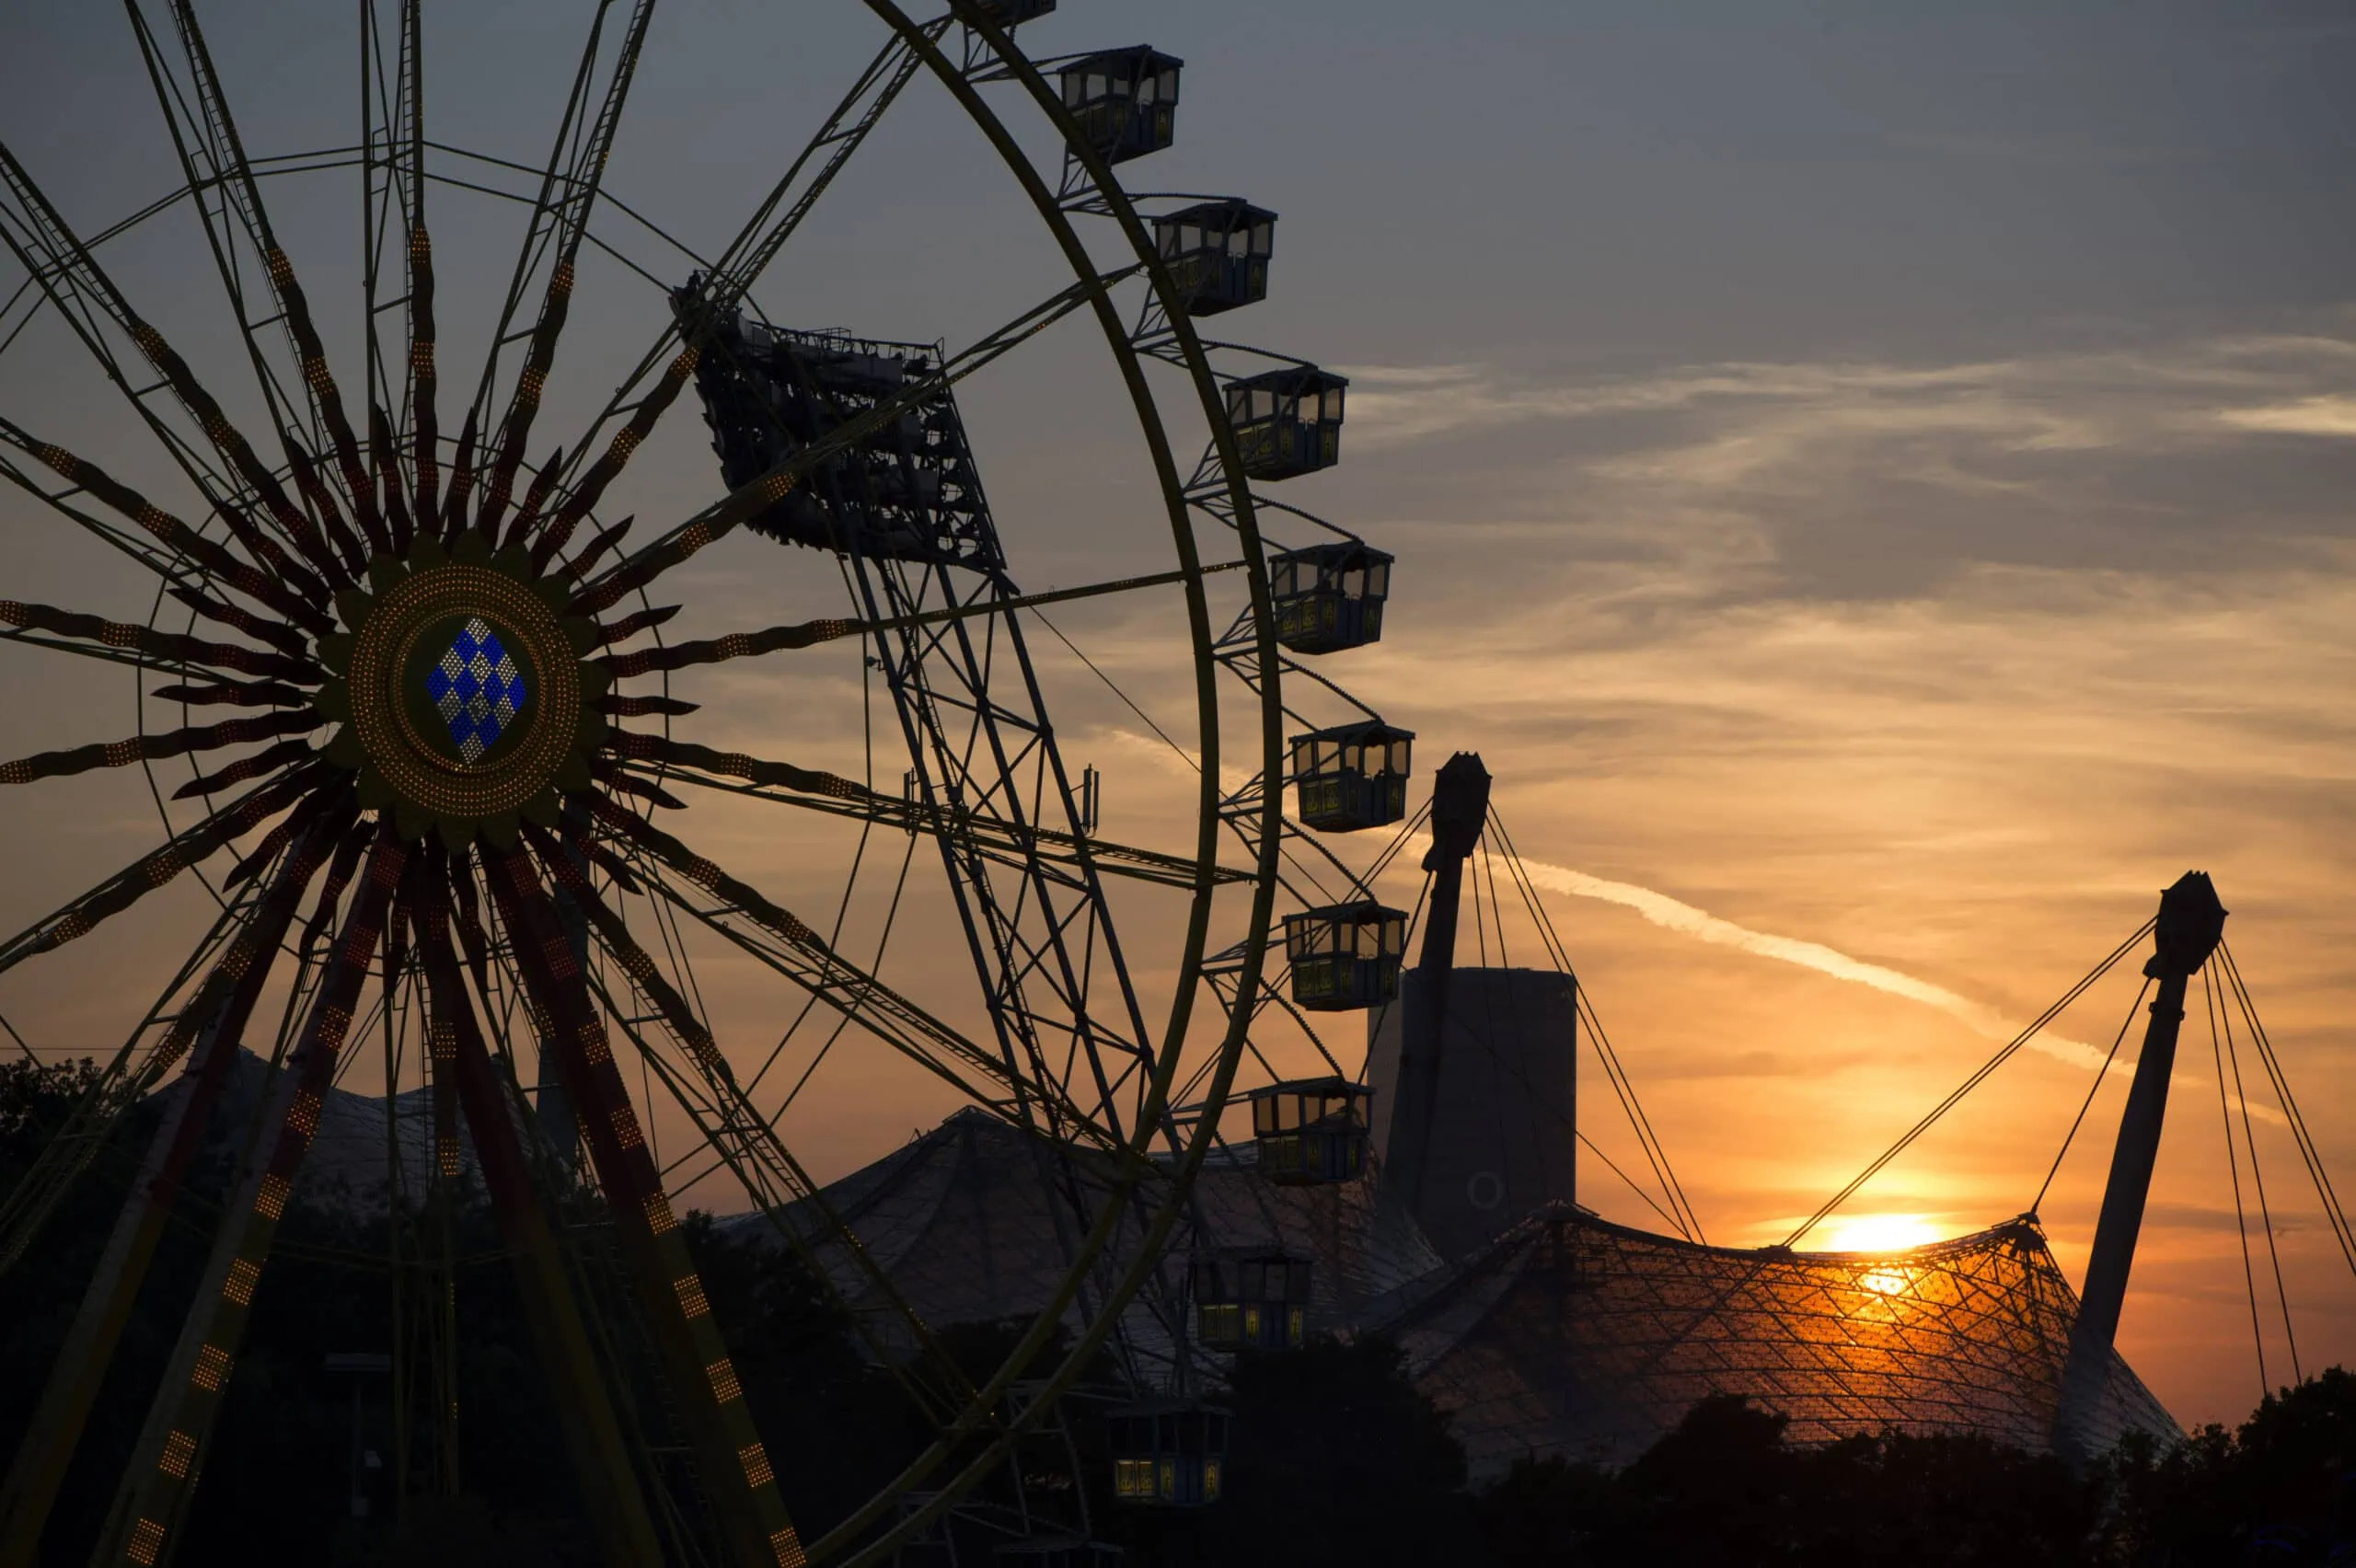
(1724, 1488)
(1336, 1459)
(2281, 1490)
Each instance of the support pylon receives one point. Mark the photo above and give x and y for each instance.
(2190, 925)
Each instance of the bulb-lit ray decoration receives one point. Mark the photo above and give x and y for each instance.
(428, 737)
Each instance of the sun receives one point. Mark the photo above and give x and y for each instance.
(1879, 1233)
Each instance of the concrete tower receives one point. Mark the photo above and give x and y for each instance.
(1473, 1070)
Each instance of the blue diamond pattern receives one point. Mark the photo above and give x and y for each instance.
(477, 690)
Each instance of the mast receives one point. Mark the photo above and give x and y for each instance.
(1460, 806)
(2191, 923)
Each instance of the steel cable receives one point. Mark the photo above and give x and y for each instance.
(2039, 1202)
(2309, 1155)
(1956, 1097)
(2233, 1168)
(2333, 1213)
(1615, 1073)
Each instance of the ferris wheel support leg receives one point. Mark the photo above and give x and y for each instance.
(220, 1010)
(609, 1489)
(143, 1527)
(733, 1463)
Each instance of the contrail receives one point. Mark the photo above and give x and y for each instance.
(1677, 915)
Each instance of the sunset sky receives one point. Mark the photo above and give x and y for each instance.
(1873, 481)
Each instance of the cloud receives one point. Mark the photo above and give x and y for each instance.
(2054, 402)
(2328, 416)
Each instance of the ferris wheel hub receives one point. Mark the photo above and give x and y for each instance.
(465, 701)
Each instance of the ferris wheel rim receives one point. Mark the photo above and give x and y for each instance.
(1204, 1133)
(1167, 1061)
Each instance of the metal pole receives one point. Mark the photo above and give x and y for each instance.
(1459, 807)
(2191, 924)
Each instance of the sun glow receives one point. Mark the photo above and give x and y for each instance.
(1879, 1233)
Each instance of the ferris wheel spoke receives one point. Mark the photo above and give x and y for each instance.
(579, 566)
(123, 1081)
(341, 870)
(284, 586)
(164, 563)
(286, 754)
(81, 291)
(213, 1022)
(462, 479)
(734, 1461)
(172, 648)
(198, 141)
(314, 805)
(637, 746)
(225, 153)
(559, 219)
(176, 1438)
(149, 748)
(809, 634)
(748, 1145)
(393, 153)
(151, 870)
(288, 640)
(223, 693)
(326, 540)
(979, 1074)
(748, 500)
(103, 654)
(1008, 843)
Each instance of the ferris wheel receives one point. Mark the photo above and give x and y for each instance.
(440, 832)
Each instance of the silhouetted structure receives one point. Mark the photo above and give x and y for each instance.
(1569, 1334)
(1251, 1298)
(1502, 1142)
(1217, 253)
(1310, 1131)
(907, 491)
(1352, 777)
(1167, 1451)
(1329, 597)
(1344, 956)
(1125, 101)
(2191, 924)
(1287, 422)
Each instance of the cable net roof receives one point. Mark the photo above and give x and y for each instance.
(971, 1224)
(1572, 1335)
(1567, 1334)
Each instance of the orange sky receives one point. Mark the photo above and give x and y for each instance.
(1855, 664)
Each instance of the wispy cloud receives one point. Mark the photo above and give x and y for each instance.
(2062, 401)
(2330, 416)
